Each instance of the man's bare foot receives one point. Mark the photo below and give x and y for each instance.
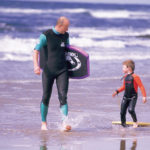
(135, 125)
(44, 126)
(66, 127)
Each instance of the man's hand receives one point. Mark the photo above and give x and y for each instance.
(114, 94)
(144, 100)
(37, 70)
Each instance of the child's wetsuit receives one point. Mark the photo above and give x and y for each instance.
(130, 85)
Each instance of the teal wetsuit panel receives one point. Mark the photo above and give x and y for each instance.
(64, 109)
(42, 42)
(44, 111)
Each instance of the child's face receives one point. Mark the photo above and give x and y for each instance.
(125, 69)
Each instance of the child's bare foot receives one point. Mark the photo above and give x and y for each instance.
(135, 125)
(44, 126)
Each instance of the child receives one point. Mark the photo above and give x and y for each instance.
(130, 86)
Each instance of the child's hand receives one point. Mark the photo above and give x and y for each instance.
(114, 94)
(144, 100)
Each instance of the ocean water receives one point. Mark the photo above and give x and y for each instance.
(110, 34)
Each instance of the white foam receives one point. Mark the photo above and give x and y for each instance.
(21, 49)
(101, 13)
(16, 48)
(40, 11)
(86, 42)
(17, 10)
(124, 14)
(144, 43)
(75, 121)
(103, 33)
(110, 14)
(13, 57)
(17, 45)
(119, 56)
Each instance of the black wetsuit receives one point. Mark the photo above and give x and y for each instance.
(55, 67)
(130, 85)
(129, 99)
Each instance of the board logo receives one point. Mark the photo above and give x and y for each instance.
(62, 44)
(73, 59)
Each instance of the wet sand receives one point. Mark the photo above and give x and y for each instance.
(91, 111)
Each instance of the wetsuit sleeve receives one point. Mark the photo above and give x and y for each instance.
(122, 88)
(42, 42)
(140, 84)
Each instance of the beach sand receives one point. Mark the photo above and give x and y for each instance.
(91, 111)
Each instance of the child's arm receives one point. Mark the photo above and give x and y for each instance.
(119, 90)
(140, 84)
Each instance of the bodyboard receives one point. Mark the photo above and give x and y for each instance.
(77, 61)
(142, 124)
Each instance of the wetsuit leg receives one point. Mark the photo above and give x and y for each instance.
(44, 111)
(131, 108)
(62, 82)
(124, 106)
(47, 81)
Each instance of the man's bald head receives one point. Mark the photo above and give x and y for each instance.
(62, 24)
(62, 20)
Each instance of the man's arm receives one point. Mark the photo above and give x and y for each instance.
(42, 42)
(35, 61)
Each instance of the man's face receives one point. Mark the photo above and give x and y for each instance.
(64, 27)
(125, 69)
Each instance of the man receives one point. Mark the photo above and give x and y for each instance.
(55, 39)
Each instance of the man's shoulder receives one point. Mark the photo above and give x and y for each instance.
(49, 31)
(67, 34)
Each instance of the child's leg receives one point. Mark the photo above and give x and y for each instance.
(124, 106)
(131, 108)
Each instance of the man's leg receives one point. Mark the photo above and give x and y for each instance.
(62, 82)
(47, 82)
(124, 106)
